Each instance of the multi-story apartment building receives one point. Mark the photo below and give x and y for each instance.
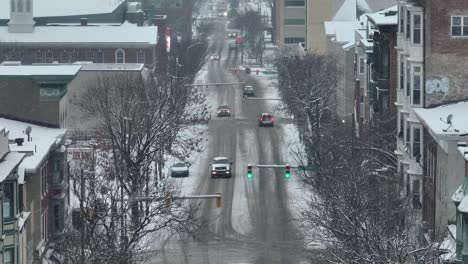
(42, 186)
(12, 247)
(409, 96)
(290, 22)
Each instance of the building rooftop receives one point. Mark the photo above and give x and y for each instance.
(126, 33)
(42, 141)
(435, 119)
(341, 31)
(39, 70)
(58, 8)
(385, 17)
(110, 66)
(463, 151)
(11, 161)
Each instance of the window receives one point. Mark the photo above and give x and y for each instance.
(295, 3)
(417, 32)
(74, 56)
(20, 6)
(49, 56)
(361, 95)
(119, 56)
(9, 256)
(90, 55)
(459, 25)
(140, 56)
(408, 24)
(402, 73)
(293, 40)
(66, 56)
(39, 56)
(361, 65)
(416, 194)
(99, 56)
(12, 5)
(417, 81)
(58, 216)
(402, 19)
(28, 5)
(408, 132)
(402, 126)
(416, 141)
(8, 200)
(408, 79)
(294, 22)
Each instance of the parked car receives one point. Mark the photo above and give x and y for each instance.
(221, 167)
(180, 169)
(266, 119)
(223, 110)
(248, 90)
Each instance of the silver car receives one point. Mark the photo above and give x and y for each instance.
(180, 169)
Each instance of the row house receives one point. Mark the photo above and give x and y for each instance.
(23, 41)
(431, 109)
(42, 187)
(13, 242)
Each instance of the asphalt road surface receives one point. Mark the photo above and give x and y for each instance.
(262, 230)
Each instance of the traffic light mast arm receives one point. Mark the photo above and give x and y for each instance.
(273, 166)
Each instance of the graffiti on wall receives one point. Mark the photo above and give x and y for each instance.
(435, 86)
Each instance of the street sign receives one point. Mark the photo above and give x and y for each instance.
(306, 168)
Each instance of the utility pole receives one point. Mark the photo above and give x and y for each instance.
(83, 219)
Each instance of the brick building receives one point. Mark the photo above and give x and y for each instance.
(22, 40)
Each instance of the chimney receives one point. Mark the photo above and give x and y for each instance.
(83, 21)
(19, 141)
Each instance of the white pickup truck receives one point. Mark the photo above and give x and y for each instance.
(221, 167)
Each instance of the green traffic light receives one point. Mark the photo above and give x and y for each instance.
(249, 175)
(287, 175)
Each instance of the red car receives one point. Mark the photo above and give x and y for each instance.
(266, 119)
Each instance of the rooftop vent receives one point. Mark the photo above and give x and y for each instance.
(390, 13)
(83, 21)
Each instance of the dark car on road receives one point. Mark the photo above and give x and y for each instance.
(248, 91)
(266, 119)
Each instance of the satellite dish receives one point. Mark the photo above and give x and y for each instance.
(28, 130)
(449, 119)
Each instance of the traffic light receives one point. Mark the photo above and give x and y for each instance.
(218, 200)
(249, 171)
(287, 171)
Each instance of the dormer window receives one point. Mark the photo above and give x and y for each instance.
(141, 56)
(120, 56)
(39, 56)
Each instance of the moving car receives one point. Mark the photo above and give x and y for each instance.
(249, 91)
(266, 119)
(232, 35)
(223, 110)
(214, 57)
(180, 169)
(221, 167)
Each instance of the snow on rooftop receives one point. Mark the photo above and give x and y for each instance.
(387, 16)
(343, 31)
(57, 8)
(464, 152)
(39, 70)
(111, 66)
(463, 206)
(11, 160)
(125, 33)
(435, 119)
(43, 139)
(347, 11)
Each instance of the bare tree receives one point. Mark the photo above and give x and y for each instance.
(355, 208)
(140, 119)
(251, 24)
